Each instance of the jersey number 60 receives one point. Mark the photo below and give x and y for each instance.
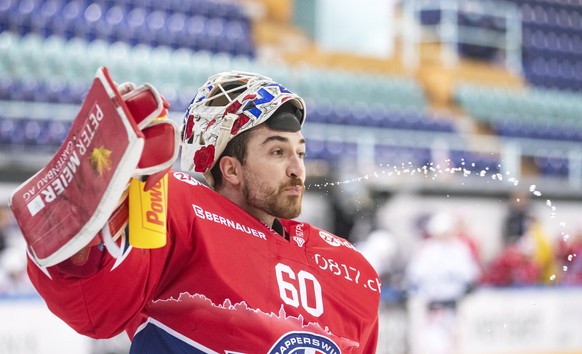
(309, 295)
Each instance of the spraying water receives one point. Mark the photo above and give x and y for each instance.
(434, 171)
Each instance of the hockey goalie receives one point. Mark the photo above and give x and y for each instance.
(119, 241)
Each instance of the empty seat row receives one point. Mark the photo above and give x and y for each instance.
(489, 103)
(53, 91)
(48, 135)
(552, 43)
(553, 73)
(551, 30)
(360, 114)
(57, 90)
(337, 85)
(32, 133)
(403, 159)
(546, 15)
(33, 57)
(133, 25)
(537, 130)
(229, 10)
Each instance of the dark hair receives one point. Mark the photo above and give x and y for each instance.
(237, 148)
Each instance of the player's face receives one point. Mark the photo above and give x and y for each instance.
(274, 173)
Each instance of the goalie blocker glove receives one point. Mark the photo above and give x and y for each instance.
(116, 136)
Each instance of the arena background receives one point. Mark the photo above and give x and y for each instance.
(414, 107)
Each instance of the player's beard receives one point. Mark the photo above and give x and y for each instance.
(262, 196)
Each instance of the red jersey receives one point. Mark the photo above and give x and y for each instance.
(225, 283)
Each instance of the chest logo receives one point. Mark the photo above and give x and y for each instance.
(304, 342)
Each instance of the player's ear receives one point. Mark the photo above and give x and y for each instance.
(231, 170)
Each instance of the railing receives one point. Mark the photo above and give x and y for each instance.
(450, 32)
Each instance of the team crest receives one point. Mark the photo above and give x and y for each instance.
(304, 343)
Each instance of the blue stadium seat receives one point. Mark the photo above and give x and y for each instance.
(56, 89)
(22, 90)
(478, 162)
(44, 17)
(77, 91)
(315, 149)
(320, 113)
(115, 15)
(72, 13)
(7, 130)
(156, 28)
(377, 116)
(215, 31)
(552, 166)
(7, 87)
(176, 26)
(430, 17)
(136, 25)
(337, 150)
(203, 8)
(341, 113)
(360, 114)
(196, 33)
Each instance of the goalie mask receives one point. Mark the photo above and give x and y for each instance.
(228, 104)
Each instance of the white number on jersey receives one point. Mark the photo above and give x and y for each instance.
(309, 295)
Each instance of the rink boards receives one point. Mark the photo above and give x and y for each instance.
(490, 321)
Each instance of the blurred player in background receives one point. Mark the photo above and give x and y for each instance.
(439, 274)
(237, 273)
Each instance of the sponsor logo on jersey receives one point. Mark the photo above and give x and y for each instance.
(186, 178)
(304, 343)
(299, 236)
(219, 219)
(299, 240)
(334, 240)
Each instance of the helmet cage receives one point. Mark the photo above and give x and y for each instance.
(227, 105)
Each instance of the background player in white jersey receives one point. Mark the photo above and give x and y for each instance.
(237, 273)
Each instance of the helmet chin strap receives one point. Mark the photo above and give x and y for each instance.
(224, 134)
(222, 139)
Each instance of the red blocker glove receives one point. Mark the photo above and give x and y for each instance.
(161, 136)
(116, 136)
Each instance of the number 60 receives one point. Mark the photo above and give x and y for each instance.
(288, 290)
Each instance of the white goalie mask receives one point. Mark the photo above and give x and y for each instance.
(228, 104)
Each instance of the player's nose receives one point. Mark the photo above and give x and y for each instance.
(296, 167)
